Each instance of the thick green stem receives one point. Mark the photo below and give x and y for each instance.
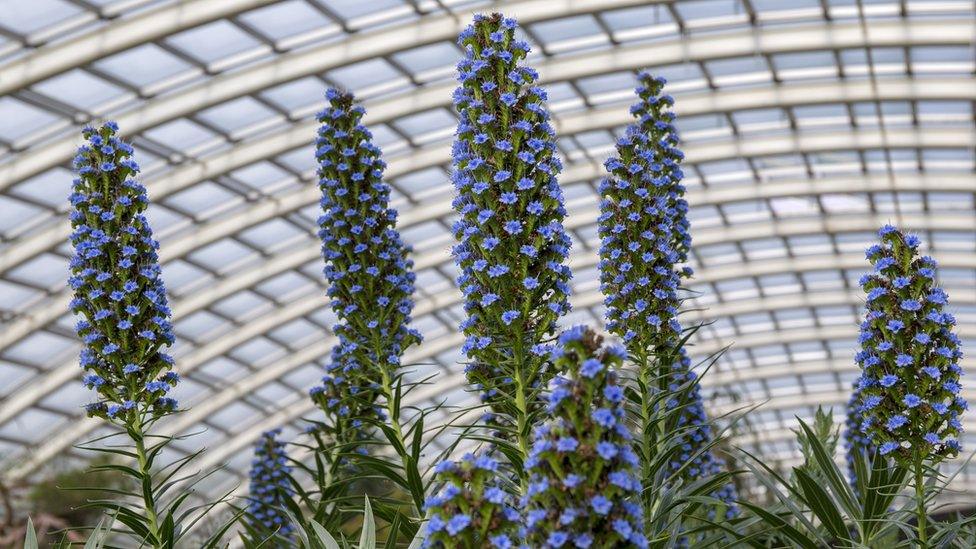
(394, 415)
(522, 416)
(647, 441)
(145, 473)
(920, 502)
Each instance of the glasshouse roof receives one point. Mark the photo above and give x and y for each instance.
(806, 125)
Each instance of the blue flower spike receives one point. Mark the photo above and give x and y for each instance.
(512, 247)
(119, 293)
(909, 393)
(644, 232)
(270, 489)
(473, 509)
(371, 279)
(583, 483)
(643, 226)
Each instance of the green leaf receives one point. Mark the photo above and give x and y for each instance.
(30, 540)
(840, 488)
(781, 525)
(418, 540)
(325, 539)
(821, 504)
(99, 534)
(393, 533)
(368, 538)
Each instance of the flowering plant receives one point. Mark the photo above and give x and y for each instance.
(643, 227)
(904, 415)
(119, 293)
(583, 487)
(371, 285)
(909, 390)
(269, 494)
(473, 507)
(125, 326)
(511, 243)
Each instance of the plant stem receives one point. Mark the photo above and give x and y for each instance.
(920, 502)
(146, 477)
(647, 442)
(394, 417)
(522, 421)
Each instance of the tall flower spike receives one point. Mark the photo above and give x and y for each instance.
(118, 290)
(856, 440)
(370, 275)
(583, 488)
(270, 489)
(472, 509)
(695, 434)
(511, 242)
(909, 388)
(643, 227)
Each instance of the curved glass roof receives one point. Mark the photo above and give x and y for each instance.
(806, 124)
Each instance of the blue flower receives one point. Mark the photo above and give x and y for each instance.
(601, 505)
(918, 368)
(458, 523)
(569, 494)
(591, 367)
(894, 422)
(370, 273)
(270, 489)
(512, 172)
(124, 331)
(604, 417)
(889, 447)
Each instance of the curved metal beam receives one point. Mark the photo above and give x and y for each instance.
(787, 402)
(301, 307)
(838, 365)
(607, 117)
(51, 381)
(301, 134)
(304, 406)
(765, 40)
(611, 115)
(47, 312)
(121, 35)
(696, 153)
(294, 65)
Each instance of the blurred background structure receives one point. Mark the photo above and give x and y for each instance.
(807, 124)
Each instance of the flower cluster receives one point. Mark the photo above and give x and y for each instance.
(643, 227)
(856, 440)
(582, 470)
(909, 386)
(512, 245)
(118, 289)
(370, 276)
(695, 433)
(270, 487)
(472, 509)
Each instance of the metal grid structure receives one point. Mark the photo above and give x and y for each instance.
(807, 124)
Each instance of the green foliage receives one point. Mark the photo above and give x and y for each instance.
(64, 493)
(312, 535)
(819, 508)
(153, 503)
